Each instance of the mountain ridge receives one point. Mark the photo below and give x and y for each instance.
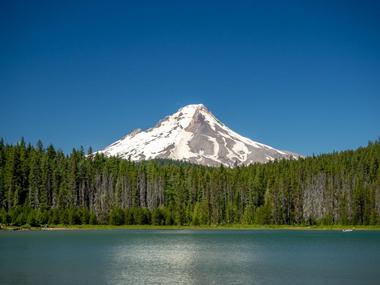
(195, 135)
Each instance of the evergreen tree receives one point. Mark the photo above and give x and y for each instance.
(41, 185)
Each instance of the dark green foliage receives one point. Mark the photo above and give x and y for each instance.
(92, 219)
(116, 216)
(84, 216)
(54, 217)
(64, 217)
(41, 186)
(74, 216)
(4, 217)
(158, 217)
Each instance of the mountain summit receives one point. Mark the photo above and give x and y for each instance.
(195, 135)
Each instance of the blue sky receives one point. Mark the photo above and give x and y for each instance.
(298, 75)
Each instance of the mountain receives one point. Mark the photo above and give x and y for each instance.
(195, 135)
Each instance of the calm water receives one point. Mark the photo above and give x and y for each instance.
(189, 257)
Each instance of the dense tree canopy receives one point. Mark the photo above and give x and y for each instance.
(44, 186)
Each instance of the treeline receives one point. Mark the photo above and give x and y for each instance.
(41, 186)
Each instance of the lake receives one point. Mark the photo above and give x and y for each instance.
(189, 257)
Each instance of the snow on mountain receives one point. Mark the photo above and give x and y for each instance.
(195, 135)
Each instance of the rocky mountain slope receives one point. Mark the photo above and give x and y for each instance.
(195, 135)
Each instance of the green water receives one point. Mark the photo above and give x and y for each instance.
(189, 257)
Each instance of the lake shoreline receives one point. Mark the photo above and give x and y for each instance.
(346, 228)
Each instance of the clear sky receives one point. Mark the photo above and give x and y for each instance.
(297, 75)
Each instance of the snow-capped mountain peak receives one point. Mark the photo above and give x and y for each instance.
(195, 135)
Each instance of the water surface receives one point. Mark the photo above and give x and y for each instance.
(189, 257)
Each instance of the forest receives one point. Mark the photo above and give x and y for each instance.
(44, 186)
